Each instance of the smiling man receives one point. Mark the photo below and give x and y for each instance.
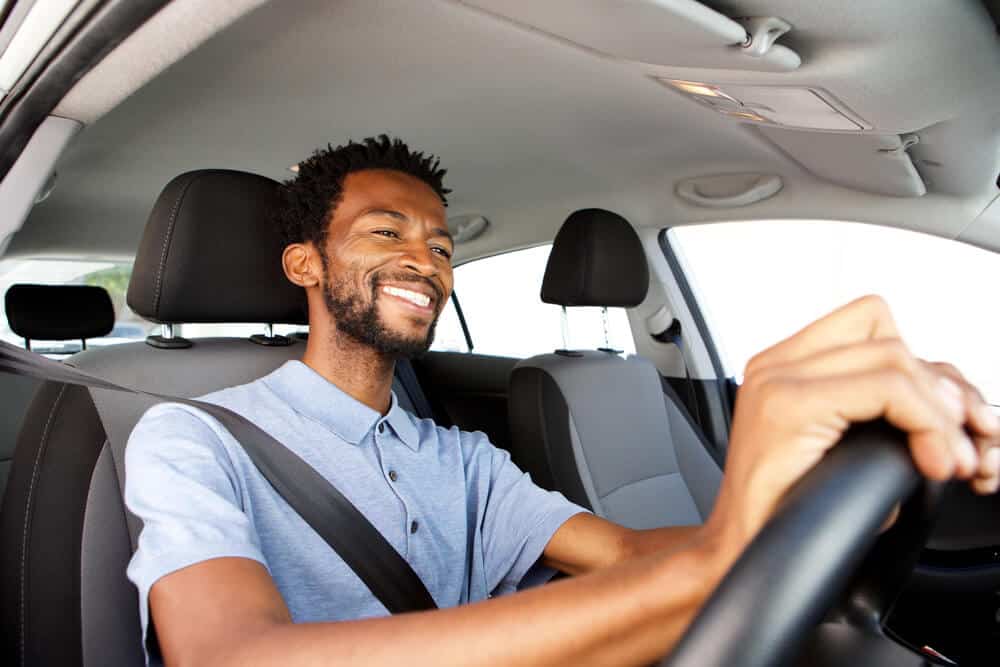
(229, 575)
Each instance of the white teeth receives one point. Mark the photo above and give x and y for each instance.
(415, 298)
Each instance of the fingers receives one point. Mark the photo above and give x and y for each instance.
(939, 446)
(867, 318)
(924, 403)
(983, 425)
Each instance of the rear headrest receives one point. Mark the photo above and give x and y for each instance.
(596, 260)
(211, 253)
(59, 312)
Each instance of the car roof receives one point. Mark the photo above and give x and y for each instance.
(530, 123)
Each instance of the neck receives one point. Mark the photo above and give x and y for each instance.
(356, 369)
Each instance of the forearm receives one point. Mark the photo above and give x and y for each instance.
(624, 615)
(660, 540)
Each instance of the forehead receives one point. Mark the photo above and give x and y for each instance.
(387, 189)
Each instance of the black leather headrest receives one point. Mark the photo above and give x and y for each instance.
(59, 312)
(596, 260)
(211, 253)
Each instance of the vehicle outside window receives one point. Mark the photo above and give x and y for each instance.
(500, 299)
(759, 282)
(112, 276)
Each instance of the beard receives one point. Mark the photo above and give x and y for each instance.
(360, 320)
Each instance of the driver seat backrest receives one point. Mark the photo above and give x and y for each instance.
(210, 253)
(595, 426)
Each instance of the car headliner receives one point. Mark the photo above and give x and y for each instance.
(530, 126)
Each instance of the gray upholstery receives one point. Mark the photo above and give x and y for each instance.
(15, 394)
(595, 426)
(108, 601)
(620, 448)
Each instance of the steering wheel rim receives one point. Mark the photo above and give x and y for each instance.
(799, 564)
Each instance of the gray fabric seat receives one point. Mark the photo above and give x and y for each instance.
(598, 427)
(209, 254)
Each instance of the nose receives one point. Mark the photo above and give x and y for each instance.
(417, 257)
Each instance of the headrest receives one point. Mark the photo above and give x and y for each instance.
(596, 260)
(211, 253)
(59, 312)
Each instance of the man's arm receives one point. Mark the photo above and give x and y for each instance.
(797, 400)
(227, 611)
(586, 543)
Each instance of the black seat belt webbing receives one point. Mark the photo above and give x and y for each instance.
(341, 525)
(673, 336)
(408, 378)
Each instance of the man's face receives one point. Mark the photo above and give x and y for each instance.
(387, 262)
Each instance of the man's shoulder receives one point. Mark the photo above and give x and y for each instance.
(182, 421)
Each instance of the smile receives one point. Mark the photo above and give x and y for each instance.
(416, 298)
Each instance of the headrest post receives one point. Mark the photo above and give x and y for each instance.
(269, 339)
(83, 343)
(604, 320)
(565, 328)
(167, 340)
(27, 344)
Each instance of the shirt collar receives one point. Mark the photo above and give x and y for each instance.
(312, 395)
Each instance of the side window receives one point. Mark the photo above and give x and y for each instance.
(759, 282)
(500, 300)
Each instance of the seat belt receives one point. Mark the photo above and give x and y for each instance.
(408, 378)
(327, 511)
(672, 335)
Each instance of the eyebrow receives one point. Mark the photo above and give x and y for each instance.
(435, 232)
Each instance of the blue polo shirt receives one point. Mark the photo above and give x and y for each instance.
(468, 521)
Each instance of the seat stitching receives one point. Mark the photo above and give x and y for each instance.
(27, 515)
(638, 481)
(166, 243)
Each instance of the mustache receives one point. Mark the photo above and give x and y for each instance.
(404, 278)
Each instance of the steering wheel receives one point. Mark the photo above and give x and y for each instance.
(768, 605)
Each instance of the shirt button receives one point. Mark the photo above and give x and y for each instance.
(414, 526)
(381, 427)
(393, 476)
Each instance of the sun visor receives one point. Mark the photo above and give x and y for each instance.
(681, 33)
(868, 162)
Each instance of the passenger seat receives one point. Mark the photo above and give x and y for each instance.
(595, 426)
(45, 312)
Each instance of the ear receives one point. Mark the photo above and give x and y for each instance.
(302, 264)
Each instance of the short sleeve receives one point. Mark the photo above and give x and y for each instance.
(181, 483)
(519, 520)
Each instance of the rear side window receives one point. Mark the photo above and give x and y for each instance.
(759, 282)
(112, 276)
(500, 300)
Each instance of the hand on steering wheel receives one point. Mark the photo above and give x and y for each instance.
(798, 400)
(799, 397)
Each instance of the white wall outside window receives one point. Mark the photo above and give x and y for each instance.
(759, 282)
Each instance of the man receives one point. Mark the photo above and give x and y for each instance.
(232, 577)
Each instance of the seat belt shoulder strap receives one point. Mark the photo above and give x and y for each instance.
(327, 511)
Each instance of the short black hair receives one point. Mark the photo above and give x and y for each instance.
(306, 201)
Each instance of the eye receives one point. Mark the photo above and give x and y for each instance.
(388, 233)
(441, 251)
